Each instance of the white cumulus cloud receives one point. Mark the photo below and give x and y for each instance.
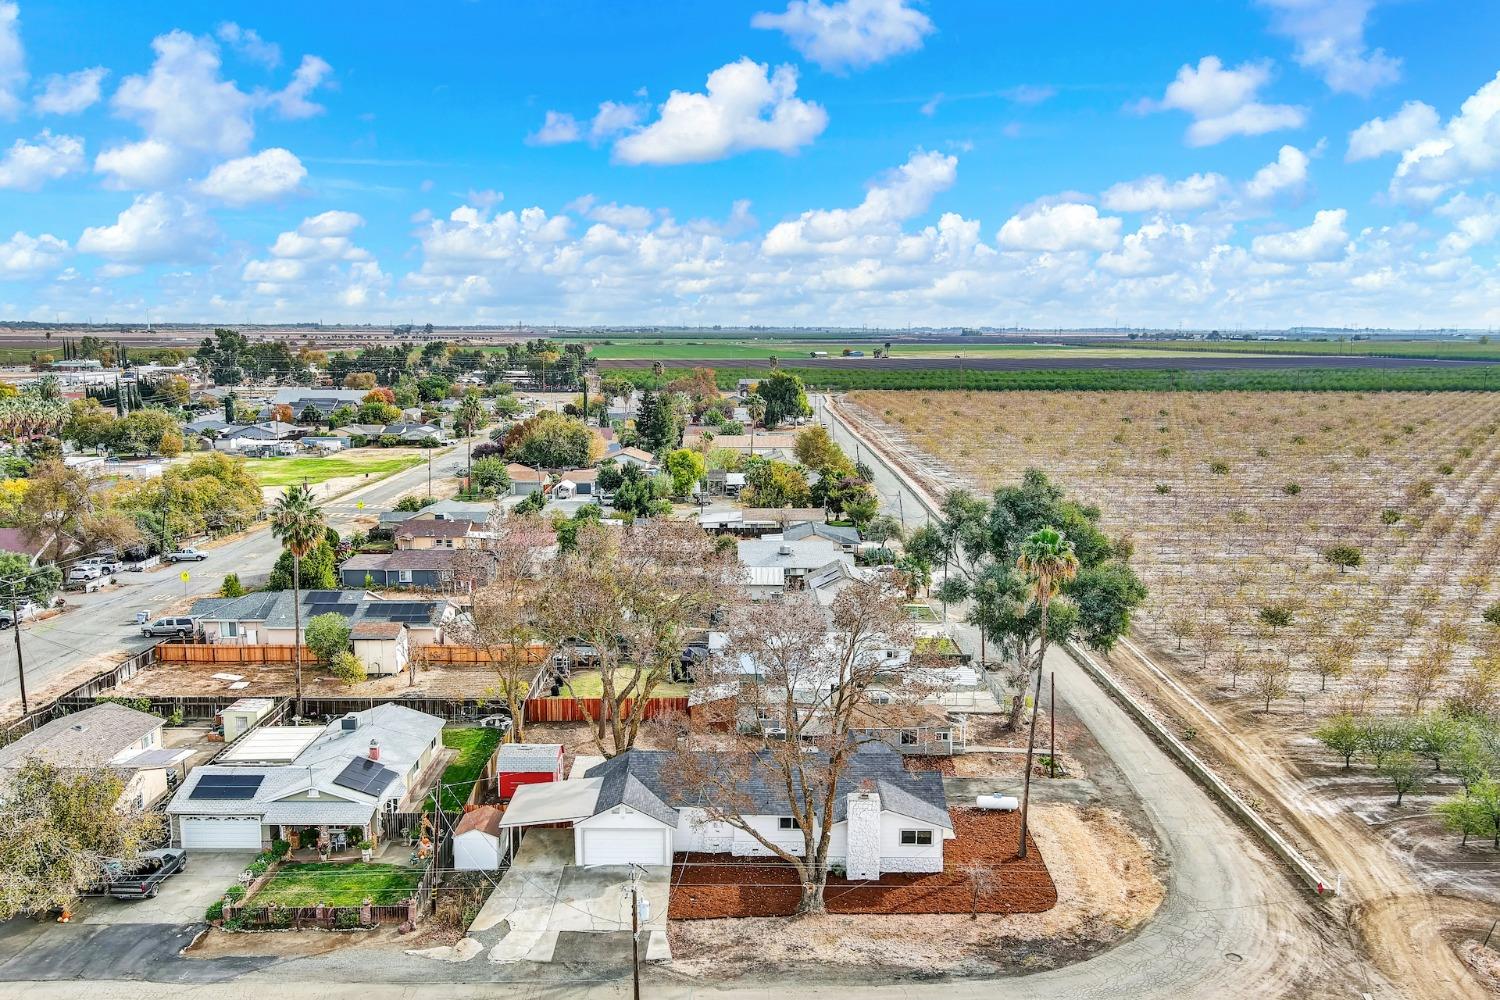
(1156, 194)
(557, 128)
(135, 166)
(745, 107)
(1414, 123)
(71, 93)
(183, 101)
(901, 194)
(24, 256)
(248, 43)
(1286, 176)
(1330, 39)
(1224, 102)
(1467, 148)
(156, 227)
(1065, 225)
(26, 166)
(851, 34)
(12, 60)
(268, 175)
(1324, 240)
(291, 101)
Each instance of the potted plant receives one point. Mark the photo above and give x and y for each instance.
(365, 850)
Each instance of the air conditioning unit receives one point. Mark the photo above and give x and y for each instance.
(349, 723)
(774, 732)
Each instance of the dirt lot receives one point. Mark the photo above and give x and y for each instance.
(1106, 881)
(705, 886)
(197, 679)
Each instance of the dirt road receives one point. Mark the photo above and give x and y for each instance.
(1402, 924)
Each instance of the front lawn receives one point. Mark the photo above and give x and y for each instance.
(475, 746)
(937, 646)
(590, 684)
(338, 883)
(286, 471)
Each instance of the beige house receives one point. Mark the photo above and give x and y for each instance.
(437, 533)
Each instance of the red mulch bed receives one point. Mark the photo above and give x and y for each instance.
(919, 762)
(706, 886)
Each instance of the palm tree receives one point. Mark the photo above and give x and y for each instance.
(1047, 561)
(297, 521)
(756, 407)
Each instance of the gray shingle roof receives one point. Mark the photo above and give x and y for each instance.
(90, 738)
(636, 778)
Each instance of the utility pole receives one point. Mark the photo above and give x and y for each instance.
(429, 473)
(901, 506)
(15, 626)
(635, 930)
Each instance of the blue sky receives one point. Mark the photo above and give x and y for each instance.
(887, 162)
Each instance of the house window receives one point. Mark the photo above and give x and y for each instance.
(908, 738)
(403, 575)
(230, 629)
(916, 838)
(788, 823)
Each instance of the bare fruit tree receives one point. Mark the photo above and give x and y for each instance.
(502, 621)
(632, 595)
(804, 678)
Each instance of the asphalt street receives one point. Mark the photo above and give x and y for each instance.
(104, 622)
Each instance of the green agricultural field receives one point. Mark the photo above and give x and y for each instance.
(1104, 378)
(1445, 350)
(791, 350)
(376, 464)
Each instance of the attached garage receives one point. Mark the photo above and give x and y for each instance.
(220, 833)
(617, 846)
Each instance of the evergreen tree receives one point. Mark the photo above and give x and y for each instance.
(656, 424)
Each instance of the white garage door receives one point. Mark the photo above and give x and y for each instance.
(624, 847)
(221, 833)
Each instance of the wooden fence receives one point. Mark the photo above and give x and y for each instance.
(215, 652)
(583, 709)
(459, 656)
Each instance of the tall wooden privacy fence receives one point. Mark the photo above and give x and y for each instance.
(582, 709)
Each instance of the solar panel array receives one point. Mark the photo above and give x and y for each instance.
(409, 612)
(365, 775)
(227, 786)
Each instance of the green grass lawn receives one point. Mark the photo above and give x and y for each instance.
(939, 645)
(475, 746)
(286, 471)
(921, 613)
(338, 883)
(590, 684)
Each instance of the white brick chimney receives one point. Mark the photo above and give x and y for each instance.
(863, 826)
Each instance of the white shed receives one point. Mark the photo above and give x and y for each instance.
(476, 840)
(241, 717)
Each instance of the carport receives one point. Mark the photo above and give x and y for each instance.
(553, 804)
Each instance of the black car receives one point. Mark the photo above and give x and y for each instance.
(142, 878)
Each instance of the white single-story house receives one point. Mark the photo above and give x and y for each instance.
(796, 557)
(357, 768)
(111, 736)
(633, 810)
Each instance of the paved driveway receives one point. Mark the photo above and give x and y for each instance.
(544, 894)
(183, 897)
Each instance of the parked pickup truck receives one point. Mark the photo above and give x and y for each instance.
(142, 878)
(186, 555)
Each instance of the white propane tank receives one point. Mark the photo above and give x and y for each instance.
(1004, 803)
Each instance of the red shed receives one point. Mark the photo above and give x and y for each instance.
(527, 764)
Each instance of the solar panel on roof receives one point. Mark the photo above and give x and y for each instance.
(227, 786)
(365, 775)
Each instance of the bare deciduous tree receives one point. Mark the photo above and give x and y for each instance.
(632, 595)
(808, 671)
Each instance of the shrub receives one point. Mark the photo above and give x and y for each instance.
(1218, 467)
(1291, 489)
(215, 911)
(235, 893)
(1390, 516)
(231, 587)
(280, 848)
(348, 668)
(346, 918)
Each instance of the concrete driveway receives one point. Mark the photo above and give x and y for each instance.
(183, 897)
(545, 894)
